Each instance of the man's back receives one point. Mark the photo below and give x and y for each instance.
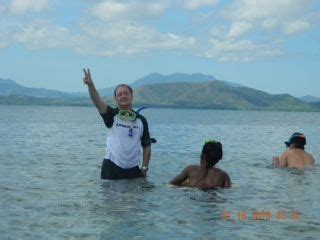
(215, 178)
(296, 158)
(205, 175)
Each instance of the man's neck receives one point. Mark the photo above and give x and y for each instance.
(203, 172)
(295, 148)
(129, 108)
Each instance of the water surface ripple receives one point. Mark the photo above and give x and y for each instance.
(50, 167)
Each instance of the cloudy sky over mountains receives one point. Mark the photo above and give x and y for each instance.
(271, 45)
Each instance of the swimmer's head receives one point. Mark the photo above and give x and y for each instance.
(211, 152)
(298, 140)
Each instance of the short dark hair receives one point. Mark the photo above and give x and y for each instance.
(213, 152)
(298, 143)
(297, 139)
(122, 85)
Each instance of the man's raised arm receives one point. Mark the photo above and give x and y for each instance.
(101, 105)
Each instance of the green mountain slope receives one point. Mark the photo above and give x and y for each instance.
(9, 87)
(42, 101)
(215, 95)
(207, 94)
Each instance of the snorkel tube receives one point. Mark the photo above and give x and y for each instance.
(153, 140)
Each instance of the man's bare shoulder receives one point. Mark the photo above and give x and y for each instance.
(311, 158)
(308, 160)
(192, 167)
(217, 178)
(286, 153)
(298, 158)
(219, 171)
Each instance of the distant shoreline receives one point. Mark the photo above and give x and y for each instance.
(178, 91)
(155, 107)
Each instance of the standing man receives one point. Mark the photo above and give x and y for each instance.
(295, 156)
(128, 132)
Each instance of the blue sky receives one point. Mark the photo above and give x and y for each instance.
(270, 45)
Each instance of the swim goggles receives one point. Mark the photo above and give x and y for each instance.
(127, 115)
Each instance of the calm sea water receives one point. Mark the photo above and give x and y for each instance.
(50, 185)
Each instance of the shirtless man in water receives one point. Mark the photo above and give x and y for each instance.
(205, 176)
(295, 156)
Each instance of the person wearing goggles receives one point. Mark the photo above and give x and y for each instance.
(128, 134)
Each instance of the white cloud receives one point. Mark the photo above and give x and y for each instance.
(239, 28)
(19, 7)
(246, 30)
(109, 10)
(240, 51)
(172, 41)
(97, 38)
(196, 4)
(272, 15)
(264, 9)
(44, 35)
(125, 38)
(256, 29)
(296, 27)
(270, 24)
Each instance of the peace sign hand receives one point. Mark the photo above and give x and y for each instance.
(87, 77)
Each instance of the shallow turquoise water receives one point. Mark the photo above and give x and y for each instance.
(50, 167)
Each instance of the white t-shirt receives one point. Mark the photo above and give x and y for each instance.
(125, 138)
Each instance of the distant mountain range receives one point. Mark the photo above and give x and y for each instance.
(155, 78)
(13, 93)
(216, 95)
(310, 99)
(176, 91)
(9, 87)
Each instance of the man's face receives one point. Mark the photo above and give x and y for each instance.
(124, 98)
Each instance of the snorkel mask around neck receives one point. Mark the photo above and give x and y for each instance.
(127, 115)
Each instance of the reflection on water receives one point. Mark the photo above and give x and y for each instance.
(50, 186)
